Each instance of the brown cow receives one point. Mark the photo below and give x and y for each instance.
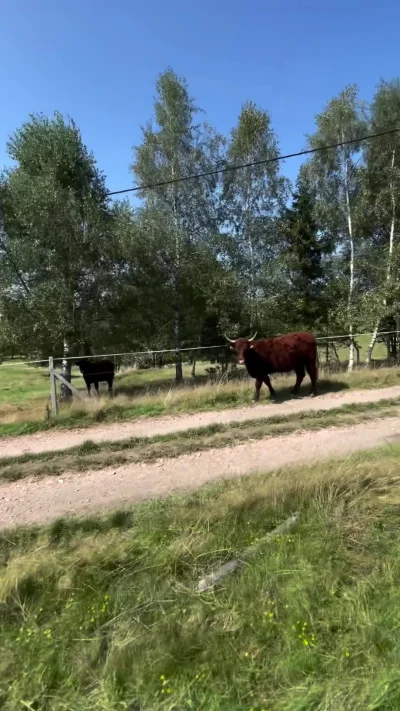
(282, 354)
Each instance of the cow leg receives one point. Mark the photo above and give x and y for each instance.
(256, 396)
(96, 385)
(110, 390)
(313, 373)
(300, 373)
(88, 388)
(269, 385)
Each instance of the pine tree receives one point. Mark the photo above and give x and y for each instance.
(303, 254)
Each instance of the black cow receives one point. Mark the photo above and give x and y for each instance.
(99, 372)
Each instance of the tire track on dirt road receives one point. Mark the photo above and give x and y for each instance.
(58, 439)
(35, 501)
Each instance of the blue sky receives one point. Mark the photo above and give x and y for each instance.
(98, 62)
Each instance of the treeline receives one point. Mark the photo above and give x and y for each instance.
(236, 252)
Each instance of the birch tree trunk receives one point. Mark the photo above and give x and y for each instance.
(252, 290)
(178, 344)
(65, 392)
(350, 299)
(351, 282)
(251, 255)
(368, 356)
(177, 308)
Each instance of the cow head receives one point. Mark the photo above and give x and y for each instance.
(240, 346)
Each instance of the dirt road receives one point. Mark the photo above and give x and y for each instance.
(32, 501)
(53, 440)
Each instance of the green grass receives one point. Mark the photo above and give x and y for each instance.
(102, 613)
(28, 416)
(379, 352)
(20, 384)
(25, 389)
(92, 455)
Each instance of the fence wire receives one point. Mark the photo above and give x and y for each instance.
(330, 348)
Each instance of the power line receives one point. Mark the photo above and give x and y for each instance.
(240, 166)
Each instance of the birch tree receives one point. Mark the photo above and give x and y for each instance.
(252, 200)
(382, 174)
(337, 181)
(185, 212)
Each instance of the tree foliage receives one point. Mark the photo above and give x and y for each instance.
(251, 201)
(303, 252)
(228, 252)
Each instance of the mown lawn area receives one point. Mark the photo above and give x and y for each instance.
(103, 613)
(379, 352)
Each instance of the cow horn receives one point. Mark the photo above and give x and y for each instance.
(229, 339)
(252, 339)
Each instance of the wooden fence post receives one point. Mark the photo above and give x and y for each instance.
(68, 385)
(53, 389)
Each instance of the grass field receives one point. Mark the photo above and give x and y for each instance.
(102, 612)
(21, 385)
(379, 352)
(24, 396)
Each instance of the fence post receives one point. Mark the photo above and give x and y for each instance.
(53, 391)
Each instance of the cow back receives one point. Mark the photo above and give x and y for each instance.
(100, 367)
(103, 366)
(282, 353)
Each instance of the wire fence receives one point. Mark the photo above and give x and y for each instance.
(332, 347)
(333, 353)
(148, 353)
(148, 372)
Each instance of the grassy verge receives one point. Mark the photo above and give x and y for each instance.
(93, 455)
(101, 613)
(24, 390)
(183, 400)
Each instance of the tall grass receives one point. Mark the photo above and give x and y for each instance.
(101, 612)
